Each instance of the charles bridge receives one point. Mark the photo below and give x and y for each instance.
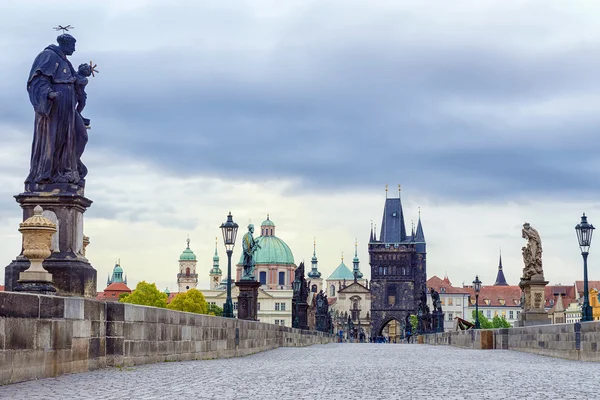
(50, 336)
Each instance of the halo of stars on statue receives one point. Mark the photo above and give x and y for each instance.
(66, 29)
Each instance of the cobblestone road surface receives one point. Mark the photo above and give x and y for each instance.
(335, 371)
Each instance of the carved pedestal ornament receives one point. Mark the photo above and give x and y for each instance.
(37, 234)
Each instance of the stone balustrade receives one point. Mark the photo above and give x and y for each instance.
(577, 341)
(45, 336)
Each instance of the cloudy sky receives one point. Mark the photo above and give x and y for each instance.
(485, 111)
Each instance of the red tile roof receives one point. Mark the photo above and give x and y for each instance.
(497, 296)
(591, 285)
(438, 284)
(117, 287)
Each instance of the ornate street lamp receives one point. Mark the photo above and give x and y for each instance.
(296, 286)
(477, 287)
(584, 236)
(229, 229)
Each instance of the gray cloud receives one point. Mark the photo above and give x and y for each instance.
(393, 93)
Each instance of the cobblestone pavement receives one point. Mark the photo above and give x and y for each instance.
(334, 371)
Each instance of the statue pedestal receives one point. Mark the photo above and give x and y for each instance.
(71, 273)
(438, 322)
(533, 309)
(248, 299)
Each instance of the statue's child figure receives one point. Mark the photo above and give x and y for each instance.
(83, 72)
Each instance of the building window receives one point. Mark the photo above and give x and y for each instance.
(282, 322)
(235, 305)
(489, 313)
(332, 291)
(458, 302)
(187, 287)
(518, 312)
(187, 271)
(282, 308)
(443, 300)
(449, 316)
(276, 306)
(262, 276)
(258, 305)
(449, 301)
(276, 322)
(282, 278)
(313, 289)
(391, 295)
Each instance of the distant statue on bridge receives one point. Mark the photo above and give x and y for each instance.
(532, 253)
(249, 247)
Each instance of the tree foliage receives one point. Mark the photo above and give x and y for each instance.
(495, 323)
(215, 310)
(414, 322)
(146, 294)
(191, 301)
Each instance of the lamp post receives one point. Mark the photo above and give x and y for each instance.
(477, 287)
(229, 229)
(296, 286)
(584, 236)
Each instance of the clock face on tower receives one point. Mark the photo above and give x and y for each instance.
(216, 279)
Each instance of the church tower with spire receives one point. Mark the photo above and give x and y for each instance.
(187, 278)
(398, 268)
(215, 272)
(316, 282)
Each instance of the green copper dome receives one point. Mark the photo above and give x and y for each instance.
(188, 254)
(273, 251)
(118, 269)
(341, 272)
(267, 222)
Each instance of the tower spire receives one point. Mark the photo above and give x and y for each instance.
(356, 262)
(386, 190)
(314, 272)
(500, 279)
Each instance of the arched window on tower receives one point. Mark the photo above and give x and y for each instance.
(187, 271)
(262, 277)
(332, 291)
(313, 289)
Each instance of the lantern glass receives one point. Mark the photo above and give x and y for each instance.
(477, 284)
(584, 232)
(229, 229)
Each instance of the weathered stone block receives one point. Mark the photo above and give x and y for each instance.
(19, 305)
(79, 348)
(20, 333)
(94, 310)
(62, 334)
(74, 308)
(81, 328)
(52, 307)
(115, 346)
(115, 311)
(114, 328)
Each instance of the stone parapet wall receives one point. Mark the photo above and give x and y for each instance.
(46, 336)
(577, 341)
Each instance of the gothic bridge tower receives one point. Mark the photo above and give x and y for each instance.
(398, 268)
